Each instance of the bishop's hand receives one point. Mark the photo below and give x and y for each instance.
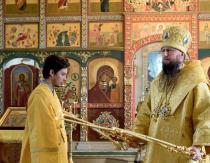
(196, 153)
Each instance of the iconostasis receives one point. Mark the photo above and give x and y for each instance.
(113, 47)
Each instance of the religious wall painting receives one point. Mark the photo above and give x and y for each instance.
(204, 34)
(21, 36)
(105, 6)
(21, 85)
(105, 81)
(142, 30)
(63, 35)
(71, 91)
(161, 5)
(147, 66)
(204, 5)
(16, 8)
(63, 7)
(105, 34)
(20, 76)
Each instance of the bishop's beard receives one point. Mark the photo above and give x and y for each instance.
(171, 69)
(169, 75)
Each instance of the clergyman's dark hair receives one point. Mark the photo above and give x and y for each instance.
(55, 63)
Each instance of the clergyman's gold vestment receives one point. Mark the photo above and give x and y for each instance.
(189, 120)
(44, 138)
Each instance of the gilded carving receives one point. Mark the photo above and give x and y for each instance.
(42, 25)
(83, 132)
(85, 56)
(107, 17)
(128, 107)
(84, 24)
(106, 119)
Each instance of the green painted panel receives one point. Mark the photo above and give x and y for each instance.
(203, 53)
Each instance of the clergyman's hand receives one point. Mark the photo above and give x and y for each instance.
(196, 153)
(135, 142)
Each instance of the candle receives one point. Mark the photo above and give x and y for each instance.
(70, 109)
(75, 110)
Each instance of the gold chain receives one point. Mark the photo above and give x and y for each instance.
(165, 110)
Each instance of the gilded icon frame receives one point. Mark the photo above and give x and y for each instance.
(14, 117)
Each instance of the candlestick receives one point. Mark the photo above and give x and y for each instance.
(70, 109)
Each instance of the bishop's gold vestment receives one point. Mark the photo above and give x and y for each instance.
(188, 122)
(44, 138)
